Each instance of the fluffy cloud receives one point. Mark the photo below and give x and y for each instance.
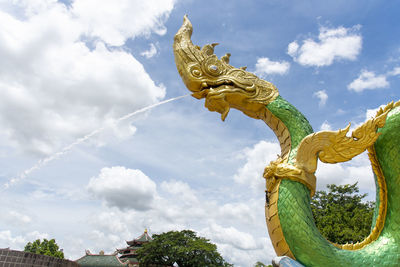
(178, 206)
(394, 72)
(232, 236)
(180, 189)
(16, 218)
(239, 247)
(325, 126)
(115, 21)
(123, 188)
(18, 242)
(333, 44)
(322, 96)
(151, 52)
(357, 170)
(243, 212)
(266, 66)
(107, 222)
(61, 80)
(368, 80)
(258, 157)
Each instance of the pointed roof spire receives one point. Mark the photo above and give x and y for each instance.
(145, 237)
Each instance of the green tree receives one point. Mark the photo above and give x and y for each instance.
(182, 247)
(47, 247)
(341, 215)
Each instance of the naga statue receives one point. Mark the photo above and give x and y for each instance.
(290, 180)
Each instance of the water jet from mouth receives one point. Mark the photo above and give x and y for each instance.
(42, 162)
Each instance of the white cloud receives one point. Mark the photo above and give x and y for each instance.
(178, 207)
(151, 52)
(8, 240)
(116, 21)
(322, 96)
(394, 72)
(181, 189)
(123, 188)
(109, 230)
(61, 80)
(265, 66)
(14, 218)
(238, 211)
(357, 170)
(333, 44)
(325, 126)
(18, 218)
(18, 242)
(293, 47)
(248, 257)
(102, 241)
(258, 157)
(107, 222)
(340, 111)
(231, 236)
(368, 80)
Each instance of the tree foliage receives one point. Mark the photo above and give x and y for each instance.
(341, 215)
(47, 247)
(182, 247)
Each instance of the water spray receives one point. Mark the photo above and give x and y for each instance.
(44, 161)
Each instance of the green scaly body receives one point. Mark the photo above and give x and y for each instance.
(300, 232)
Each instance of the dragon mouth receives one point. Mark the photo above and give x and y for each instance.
(217, 88)
(216, 96)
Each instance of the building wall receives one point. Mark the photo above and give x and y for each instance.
(14, 258)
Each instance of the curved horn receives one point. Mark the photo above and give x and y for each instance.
(184, 50)
(185, 32)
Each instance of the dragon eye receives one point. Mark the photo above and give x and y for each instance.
(214, 67)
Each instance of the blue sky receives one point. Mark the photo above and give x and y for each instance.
(70, 68)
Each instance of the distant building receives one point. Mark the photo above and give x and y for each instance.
(127, 258)
(129, 254)
(100, 260)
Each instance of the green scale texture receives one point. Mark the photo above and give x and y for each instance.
(301, 234)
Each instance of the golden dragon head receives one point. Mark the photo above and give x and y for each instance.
(222, 85)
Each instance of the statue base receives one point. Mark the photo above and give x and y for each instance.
(285, 262)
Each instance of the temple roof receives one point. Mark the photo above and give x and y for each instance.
(145, 237)
(99, 260)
